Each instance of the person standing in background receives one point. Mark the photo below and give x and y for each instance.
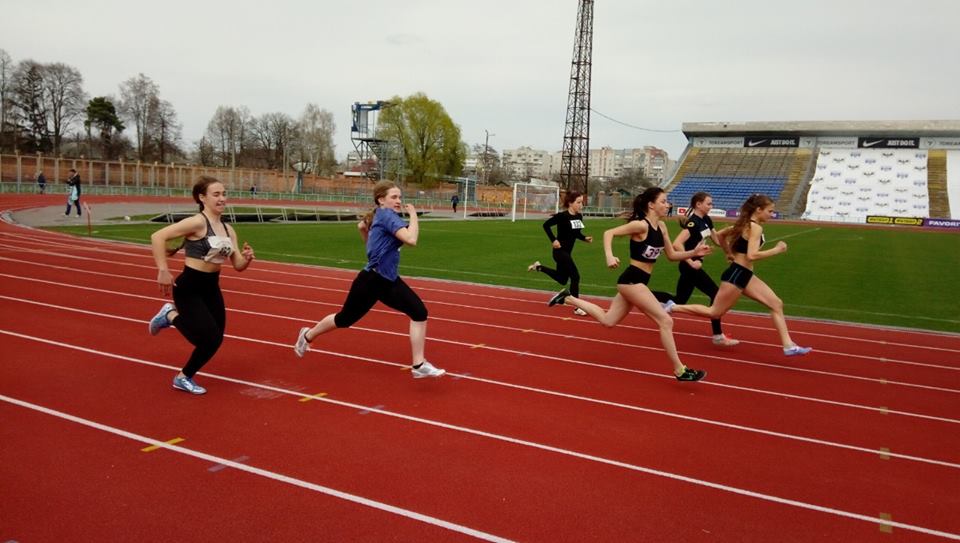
(73, 192)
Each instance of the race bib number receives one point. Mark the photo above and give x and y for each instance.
(651, 253)
(576, 224)
(705, 233)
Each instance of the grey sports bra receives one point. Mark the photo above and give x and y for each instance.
(211, 248)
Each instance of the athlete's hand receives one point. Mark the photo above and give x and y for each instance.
(702, 250)
(695, 264)
(247, 252)
(412, 211)
(613, 262)
(589, 239)
(556, 244)
(782, 246)
(165, 279)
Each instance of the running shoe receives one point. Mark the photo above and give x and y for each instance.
(302, 346)
(579, 312)
(534, 267)
(668, 305)
(691, 375)
(796, 350)
(724, 341)
(426, 369)
(186, 384)
(160, 321)
(558, 298)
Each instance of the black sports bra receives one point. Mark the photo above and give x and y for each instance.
(650, 248)
(740, 246)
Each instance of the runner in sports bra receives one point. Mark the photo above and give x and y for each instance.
(648, 238)
(198, 311)
(745, 239)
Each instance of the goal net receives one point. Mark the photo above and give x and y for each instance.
(534, 199)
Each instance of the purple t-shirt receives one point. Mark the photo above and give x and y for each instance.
(383, 247)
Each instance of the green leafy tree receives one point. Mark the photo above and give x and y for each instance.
(102, 115)
(428, 138)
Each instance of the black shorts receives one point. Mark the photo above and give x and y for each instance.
(737, 276)
(633, 276)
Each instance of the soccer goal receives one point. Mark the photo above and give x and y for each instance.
(534, 199)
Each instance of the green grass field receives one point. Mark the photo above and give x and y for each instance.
(901, 277)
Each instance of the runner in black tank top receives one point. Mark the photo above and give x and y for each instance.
(744, 241)
(648, 238)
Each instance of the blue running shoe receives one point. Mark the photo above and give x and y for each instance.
(159, 321)
(797, 350)
(186, 384)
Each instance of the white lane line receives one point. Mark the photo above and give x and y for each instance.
(470, 431)
(551, 358)
(575, 397)
(494, 326)
(101, 247)
(413, 515)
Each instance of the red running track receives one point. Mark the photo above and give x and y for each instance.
(546, 428)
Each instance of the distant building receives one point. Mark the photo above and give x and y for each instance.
(605, 163)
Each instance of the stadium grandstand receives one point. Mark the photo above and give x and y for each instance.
(842, 171)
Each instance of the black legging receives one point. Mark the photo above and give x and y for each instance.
(566, 270)
(202, 317)
(368, 288)
(691, 278)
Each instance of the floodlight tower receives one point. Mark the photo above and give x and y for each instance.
(363, 134)
(575, 166)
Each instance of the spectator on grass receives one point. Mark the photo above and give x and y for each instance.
(569, 223)
(742, 243)
(384, 233)
(198, 310)
(698, 226)
(648, 238)
(454, 200)
(73, 192)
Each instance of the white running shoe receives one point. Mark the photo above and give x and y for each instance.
(668, 305)
(724, 341)
(426, 369)
(579, 312)
(533, 267)
(796, 350)
(302, 346)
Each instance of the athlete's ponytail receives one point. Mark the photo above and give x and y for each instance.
(694, 200)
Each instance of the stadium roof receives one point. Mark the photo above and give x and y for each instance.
(825, 128)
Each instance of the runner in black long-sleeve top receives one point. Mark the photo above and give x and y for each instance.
(569, 225)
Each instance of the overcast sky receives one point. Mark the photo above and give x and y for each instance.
(504, 66)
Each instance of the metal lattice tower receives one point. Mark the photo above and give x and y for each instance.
(575, 168)
(371, 149)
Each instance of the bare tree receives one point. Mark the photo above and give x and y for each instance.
(315, 144)
(135, 97)
(164, 129)
(64, 97)
(6, 75)
(273, 131)
(226, 132)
